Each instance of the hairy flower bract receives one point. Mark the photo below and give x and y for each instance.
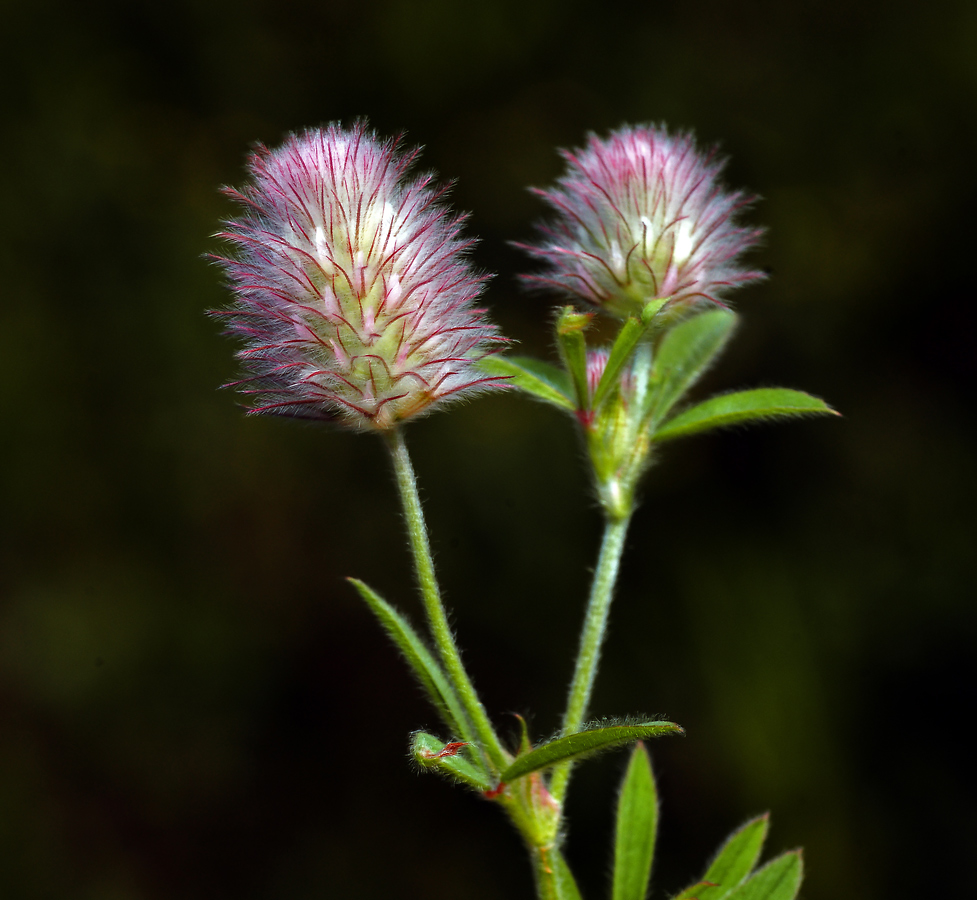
(353, 292)
(642, 216)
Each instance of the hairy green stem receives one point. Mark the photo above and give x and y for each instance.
(591, 638)
(437, 619)
(554, 881)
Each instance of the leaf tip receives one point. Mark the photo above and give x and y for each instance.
(799, 853)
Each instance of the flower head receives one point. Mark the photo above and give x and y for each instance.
(353, 292)
(642, 216)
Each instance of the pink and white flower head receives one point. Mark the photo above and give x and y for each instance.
(642, 216)
(353, 291)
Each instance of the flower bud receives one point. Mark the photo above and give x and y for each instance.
(642, 216)
(596, 364)
(353, 292)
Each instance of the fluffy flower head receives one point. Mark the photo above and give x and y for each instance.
(642, 216)
(353, 292)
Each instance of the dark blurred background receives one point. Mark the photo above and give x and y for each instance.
(194, 704)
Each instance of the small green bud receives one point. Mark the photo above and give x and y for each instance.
(571, 321)
(447, 759)
(618, 440)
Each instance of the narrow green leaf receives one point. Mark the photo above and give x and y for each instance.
(585, 743)
(637, 823)
(525, 745)
(737, 856)
(692, 892)
(779, 879)
(624, 344)
(686, 351)
(651, 309)
(742, 406)
(534, 376)
(419, 658)
(570, 326)
(448, 759)
(732, 863)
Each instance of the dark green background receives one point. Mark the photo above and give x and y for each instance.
(193, 703)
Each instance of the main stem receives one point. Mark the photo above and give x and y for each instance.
(591, 638)
(431, 594)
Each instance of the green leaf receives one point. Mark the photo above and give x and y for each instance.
(779, 879)
(419, 658)
(732, 863)
(570, 326)
(637, 823)
(525, 745)
(651, 309)
(534, 376)
(742, 406)
(448, 759)
(686, 351)
(624, 344)
(585, 743)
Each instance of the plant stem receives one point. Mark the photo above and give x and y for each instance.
(591, 638)
(554, 881)
(431, 594)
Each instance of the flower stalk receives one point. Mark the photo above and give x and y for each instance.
(591, 639)
(431, 595)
